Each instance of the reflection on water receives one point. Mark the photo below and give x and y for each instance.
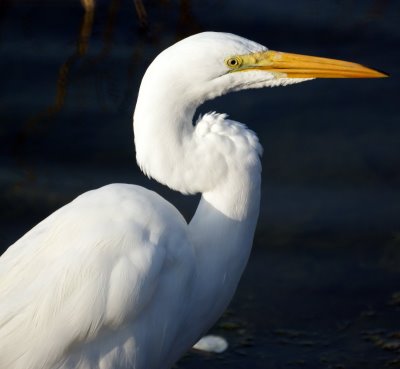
(322, 287)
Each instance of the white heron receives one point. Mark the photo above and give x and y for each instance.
(117, 278)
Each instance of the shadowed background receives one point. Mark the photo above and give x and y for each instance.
(321, 287)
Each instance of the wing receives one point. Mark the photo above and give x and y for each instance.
(90, 268)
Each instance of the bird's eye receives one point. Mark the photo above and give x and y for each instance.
(233, 62)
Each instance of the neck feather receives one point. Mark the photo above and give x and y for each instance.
(220, 159)
(216, 155)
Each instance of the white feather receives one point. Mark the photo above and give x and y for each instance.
(117, 278)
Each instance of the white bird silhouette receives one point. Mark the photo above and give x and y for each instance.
(117, 278)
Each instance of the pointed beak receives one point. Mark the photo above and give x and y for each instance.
(288, 65)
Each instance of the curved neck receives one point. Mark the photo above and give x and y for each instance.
(218, 158)
(162, 128)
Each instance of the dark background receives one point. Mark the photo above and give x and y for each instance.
(321, 288)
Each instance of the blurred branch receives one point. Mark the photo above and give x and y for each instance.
(109, 29)
(187, 22)
(86, 28)
(88, 5)
(61, 86)
(141, 12)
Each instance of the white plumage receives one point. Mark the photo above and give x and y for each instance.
(117, 278)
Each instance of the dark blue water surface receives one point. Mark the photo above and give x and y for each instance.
(320, 289)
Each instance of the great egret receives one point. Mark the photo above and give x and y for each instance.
(117, 278)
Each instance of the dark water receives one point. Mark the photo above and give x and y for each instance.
(320, 288)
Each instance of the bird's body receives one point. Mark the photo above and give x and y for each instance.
(136, 285)
(117, 279)
(89, 298)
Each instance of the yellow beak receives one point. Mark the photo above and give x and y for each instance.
(302, 66)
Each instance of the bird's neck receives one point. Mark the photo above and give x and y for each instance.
(162, 130)
(223, 243)
(220, 159)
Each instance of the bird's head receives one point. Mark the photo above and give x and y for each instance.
(210, 64)
(199, 68)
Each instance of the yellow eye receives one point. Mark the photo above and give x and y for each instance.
(233, 62)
